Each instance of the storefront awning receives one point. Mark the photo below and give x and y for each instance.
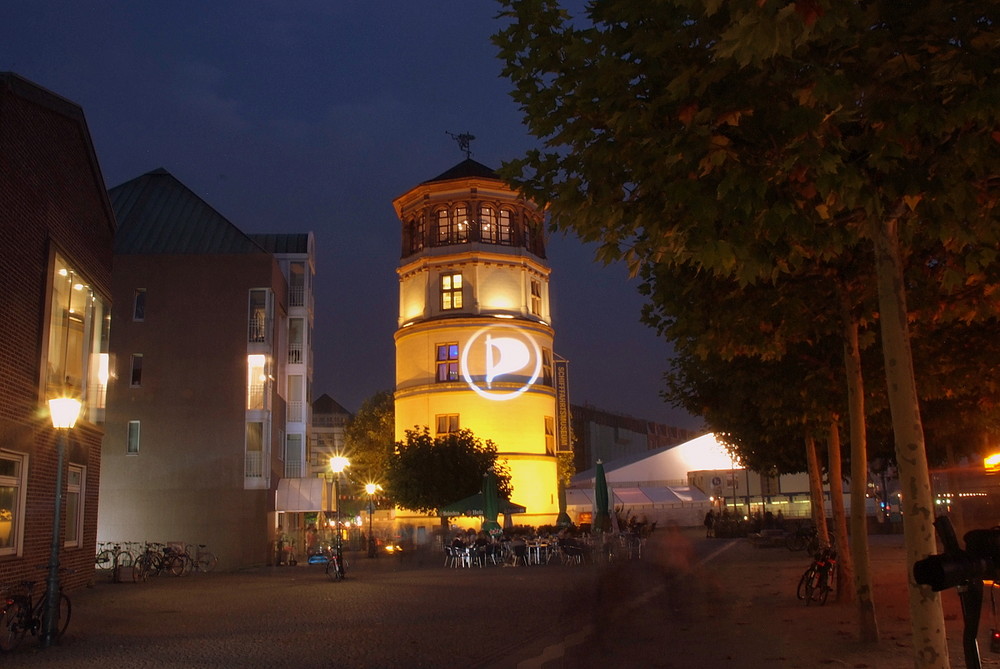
(300, 495)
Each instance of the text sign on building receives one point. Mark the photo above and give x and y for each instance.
(564, 441)
(501, 362)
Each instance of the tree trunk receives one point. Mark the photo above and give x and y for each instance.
(845, 564)
(930, 645)
(863, 584)
(816, 491)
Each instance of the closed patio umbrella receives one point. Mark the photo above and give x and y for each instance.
(602, 506)
(491, 504)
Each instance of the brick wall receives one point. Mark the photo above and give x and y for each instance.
(52, 197)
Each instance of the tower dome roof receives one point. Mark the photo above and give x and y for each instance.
(465, 169)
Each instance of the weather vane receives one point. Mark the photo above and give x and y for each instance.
(463, 142)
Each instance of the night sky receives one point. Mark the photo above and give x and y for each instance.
(313, 116)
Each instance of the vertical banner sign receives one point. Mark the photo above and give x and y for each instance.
(563, 442)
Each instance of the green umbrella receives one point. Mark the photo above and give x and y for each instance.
(491, 503)
(563, 519)
(602, 507)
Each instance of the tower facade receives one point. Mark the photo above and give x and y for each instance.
(474, 337)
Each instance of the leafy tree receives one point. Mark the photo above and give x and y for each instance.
(426, 473)
(749, 138)
(369, 437)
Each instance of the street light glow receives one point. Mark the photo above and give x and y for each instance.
(339, 463)
(64, 412)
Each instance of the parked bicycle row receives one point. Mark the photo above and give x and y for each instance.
(140, 560)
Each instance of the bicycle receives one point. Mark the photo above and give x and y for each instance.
(112, 557)
(202, 560)
(820, 578)
(22, 614)
(153, 559)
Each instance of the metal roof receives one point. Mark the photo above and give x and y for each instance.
(464, 170)
(158, 214)
(283, 243)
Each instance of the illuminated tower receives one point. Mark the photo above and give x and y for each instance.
(474, 342)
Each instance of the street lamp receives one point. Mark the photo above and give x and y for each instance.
(371, 488)
(64, 412)
(338, 464)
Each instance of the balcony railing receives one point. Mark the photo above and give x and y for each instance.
(254, 464)
(294, 354)
(295, 411)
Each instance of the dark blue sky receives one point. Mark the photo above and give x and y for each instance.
(314, 115)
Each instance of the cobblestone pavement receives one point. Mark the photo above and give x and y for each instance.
(690, 602)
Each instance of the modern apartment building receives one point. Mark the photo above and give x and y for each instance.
(56, 233)
(202, 416)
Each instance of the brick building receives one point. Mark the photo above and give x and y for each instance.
(56, 232)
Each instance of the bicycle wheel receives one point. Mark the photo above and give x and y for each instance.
(13, 625)
(62, 615)
(125, 559)
(105, 560)
(814, 589)
(174, 564)
(207, 562)
(141, 568)
(801, 591)
(333, 570)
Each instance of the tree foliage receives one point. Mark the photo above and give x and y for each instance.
(370, 435)
(426, 473)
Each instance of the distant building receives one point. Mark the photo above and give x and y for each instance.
(56, 233)
(608, 436)
(475, 335)
(329, 424)
(210, 405)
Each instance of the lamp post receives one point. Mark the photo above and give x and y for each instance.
(371, 488)
(64, 412)
(338, 464)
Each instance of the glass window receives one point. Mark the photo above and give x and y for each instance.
(73, 536)
(547, 378)
(451, 291)
(255, 450)
(296, 335)
(536, 298)
(447, 362)
(256, 381)
(446, 423)
(460, 225)
(12, 473)
(139, 305)
(136, 373)
(260, 316)
(79, 327)
(550, 435)
(505, 232)
(132, 442)
(296, 284)
(489, 231)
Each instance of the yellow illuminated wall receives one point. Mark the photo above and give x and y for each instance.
(502, 330)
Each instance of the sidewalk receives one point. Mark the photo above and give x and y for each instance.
(737, 607)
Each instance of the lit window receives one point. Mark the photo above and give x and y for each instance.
(447, 423)
(536, 298)
(79, 325)
(447, 362)
(139, 305)
(256, 381)
(505, 231)
(550, 435)
(489, 232)
(136, 373)
(460, 225)
(451, 291)
(73, 535)
(132, 441)
(12, 473)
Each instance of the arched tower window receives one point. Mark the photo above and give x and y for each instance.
(460, 225)
(505, 228)
(489, 232)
